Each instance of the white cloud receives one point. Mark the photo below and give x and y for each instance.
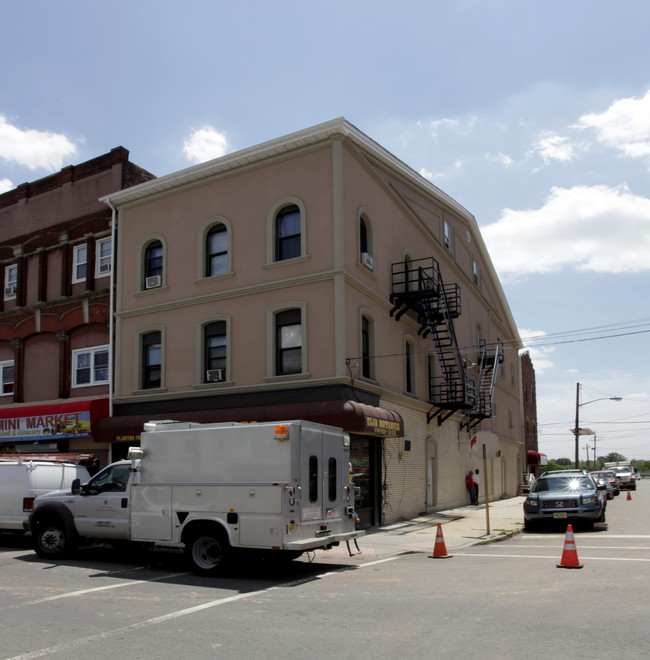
(205, 144)
(461, 127)
(5, 185)
(625, 125)
(540, 355)
(598, 228)
(34, 149)
(551, 146)
(501, 158)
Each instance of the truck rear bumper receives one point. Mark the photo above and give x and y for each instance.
(314, 543)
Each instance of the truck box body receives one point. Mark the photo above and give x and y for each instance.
(249, 471)
(213, 488)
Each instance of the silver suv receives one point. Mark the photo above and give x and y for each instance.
(571, 496)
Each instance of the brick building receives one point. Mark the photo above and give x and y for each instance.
(56, 266)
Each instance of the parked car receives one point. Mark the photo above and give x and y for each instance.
(565, 495)
(611, 477)
(602, 478)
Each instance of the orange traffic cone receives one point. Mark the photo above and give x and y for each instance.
(440, 549)
(570, 554)
(629, 495)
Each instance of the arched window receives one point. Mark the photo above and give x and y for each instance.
(216, 251)
(365, 243)
(153, 265)
(287, 233)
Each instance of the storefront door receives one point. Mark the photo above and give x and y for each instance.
(365, 457)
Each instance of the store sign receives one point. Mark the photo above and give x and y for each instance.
(51, 422)
(384, 427)
(42, 427)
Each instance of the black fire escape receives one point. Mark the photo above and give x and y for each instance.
(417, 286)
(488, 359)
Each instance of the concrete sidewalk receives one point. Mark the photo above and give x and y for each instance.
(461, 528)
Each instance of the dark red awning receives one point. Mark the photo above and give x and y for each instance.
(351, 416)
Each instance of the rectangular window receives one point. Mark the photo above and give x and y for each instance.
(90, 366)
(408, 350)
(475, 271)
(151, 360)
(79, 263)
(313, 478)
(331, 480)
(215, 349)
(11, 281)
(104, 258)
(366, 369)
(288, 342)
(447, 234)
(6, 377)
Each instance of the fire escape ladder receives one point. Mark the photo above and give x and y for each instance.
(418, 286)
(488, 359)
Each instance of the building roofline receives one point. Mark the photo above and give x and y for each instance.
(272, 148)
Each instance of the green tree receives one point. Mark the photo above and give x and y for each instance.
(614, 456)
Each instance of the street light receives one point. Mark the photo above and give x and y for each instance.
(577, 431)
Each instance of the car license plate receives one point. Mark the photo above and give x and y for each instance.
(292, 528)
(559, 514)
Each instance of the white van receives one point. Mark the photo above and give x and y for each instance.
(23, 479)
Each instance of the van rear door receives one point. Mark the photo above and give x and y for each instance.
(321, 463)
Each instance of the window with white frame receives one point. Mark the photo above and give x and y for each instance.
(216, 251)
(288, 342)
(104, 257)
(90, 366)
(6, 377)
(79, 263)
(11, 281)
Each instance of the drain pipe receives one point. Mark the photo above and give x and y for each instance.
(111, 326)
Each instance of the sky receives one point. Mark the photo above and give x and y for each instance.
(535, 116)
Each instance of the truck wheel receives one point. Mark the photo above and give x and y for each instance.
(209, 552)
(52, 541)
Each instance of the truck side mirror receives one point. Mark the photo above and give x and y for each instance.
(76, 486)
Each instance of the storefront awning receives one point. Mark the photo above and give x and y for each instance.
(535, 458)
(351, 416)
(54, 421)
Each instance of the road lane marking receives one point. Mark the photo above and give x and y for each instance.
(467, 554)
(80, 592)
(67, 646)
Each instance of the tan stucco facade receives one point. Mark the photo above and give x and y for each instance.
(336, 177)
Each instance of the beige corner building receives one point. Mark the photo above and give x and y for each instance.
(316, 276)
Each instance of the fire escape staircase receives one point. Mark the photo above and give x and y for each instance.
(417, 286)
(488, 359)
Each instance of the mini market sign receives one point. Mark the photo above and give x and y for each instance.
(58, 421)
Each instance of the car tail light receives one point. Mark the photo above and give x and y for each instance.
(28, 504)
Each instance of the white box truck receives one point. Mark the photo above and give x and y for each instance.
(215, 489)
(624, 473)
(24, 477)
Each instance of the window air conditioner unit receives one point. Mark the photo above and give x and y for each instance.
(215, 375)
(367, 260)
(10, 291)
(104, 268)
(153, 282)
